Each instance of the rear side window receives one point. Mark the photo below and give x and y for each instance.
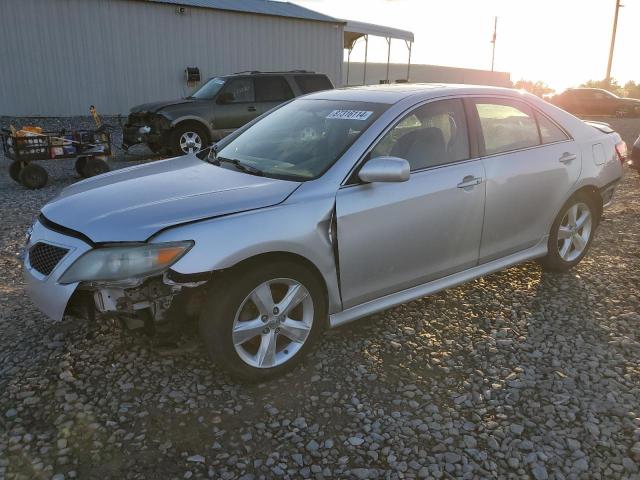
(549, 131)
(312, 83)
(272, 89)
(431, 135)
(506, 126)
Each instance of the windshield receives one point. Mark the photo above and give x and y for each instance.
(209, 90)
(302, 139)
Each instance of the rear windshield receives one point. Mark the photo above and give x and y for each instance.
(313, 83)
(302, 139)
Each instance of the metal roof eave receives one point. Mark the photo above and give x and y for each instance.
(256, 7)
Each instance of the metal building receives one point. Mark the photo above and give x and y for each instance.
(60, 56)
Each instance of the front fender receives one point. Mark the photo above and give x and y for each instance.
(193, 118)
(301, 229)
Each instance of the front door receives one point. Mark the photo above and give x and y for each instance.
(235, 105)
(393, 236)
(530, 165)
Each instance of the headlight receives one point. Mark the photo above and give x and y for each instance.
(119, 263)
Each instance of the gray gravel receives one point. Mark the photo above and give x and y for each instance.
(521, 374)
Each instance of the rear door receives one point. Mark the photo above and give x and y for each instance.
(240, 106)
(271, 91)
(530, 163)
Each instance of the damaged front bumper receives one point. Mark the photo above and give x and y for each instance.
(144, 128)
(154, 301)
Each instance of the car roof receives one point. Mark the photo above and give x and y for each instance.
(397, 92)
(259, 73)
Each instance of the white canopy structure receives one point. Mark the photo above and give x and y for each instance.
(354, 31)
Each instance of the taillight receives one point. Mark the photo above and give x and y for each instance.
(621, 150)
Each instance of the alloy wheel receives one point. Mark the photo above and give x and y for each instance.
(190, 142)
(273, 323)
(574, 231)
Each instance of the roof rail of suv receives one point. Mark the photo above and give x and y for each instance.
(284, 71)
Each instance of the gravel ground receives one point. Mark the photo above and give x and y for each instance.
(521, 374)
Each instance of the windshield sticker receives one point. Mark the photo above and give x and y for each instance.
(350, 114)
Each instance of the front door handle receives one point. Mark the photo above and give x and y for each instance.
(567, 158)
(251, 108)
(470, 181)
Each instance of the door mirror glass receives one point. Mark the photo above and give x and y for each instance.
(226, 97)
(385, 169)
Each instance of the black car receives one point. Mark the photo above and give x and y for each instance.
(634, 158)
(217, 108)
(595, 101)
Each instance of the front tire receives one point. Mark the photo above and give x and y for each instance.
(571, 234)
(261, 321)
(188, 138)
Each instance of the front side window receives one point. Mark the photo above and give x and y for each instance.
(239, 90)
(506, 126)
(549, 131)
(272, 89)
(432, 134)
(209, 90)
(303, 138)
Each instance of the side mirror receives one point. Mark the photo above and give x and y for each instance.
(225, 97)
(385, 169)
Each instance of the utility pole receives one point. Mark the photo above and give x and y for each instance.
(493, 41)
(613, 42)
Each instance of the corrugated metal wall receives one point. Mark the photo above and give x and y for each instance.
(60, 56)
(424, 73)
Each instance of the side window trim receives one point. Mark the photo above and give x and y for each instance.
(351, 178)
(538, 113)
(475, 99)
(252, 85)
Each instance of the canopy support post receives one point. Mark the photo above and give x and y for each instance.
(348, 63)
(388, 56)
(409, 45)
(366, 48)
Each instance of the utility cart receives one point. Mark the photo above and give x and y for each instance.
(29, 144)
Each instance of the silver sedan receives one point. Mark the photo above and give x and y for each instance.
(324, 210)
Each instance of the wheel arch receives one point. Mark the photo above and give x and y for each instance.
(593, 193)
(279, 256)
(192, 120)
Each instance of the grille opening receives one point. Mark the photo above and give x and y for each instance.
(44, 257)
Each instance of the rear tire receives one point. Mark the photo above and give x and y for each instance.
(33, 176)
(81, 162)
(95, 166)
(252, 342)
(571, 234)
(15, 168)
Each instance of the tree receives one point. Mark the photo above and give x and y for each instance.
(632, 89)
(538, 88)
(611, 86)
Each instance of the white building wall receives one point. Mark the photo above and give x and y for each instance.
(58, 57)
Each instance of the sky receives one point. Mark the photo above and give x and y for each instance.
(561, 42)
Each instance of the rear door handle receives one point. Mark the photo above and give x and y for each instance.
(251, 109)
(567, 157)
(470, 181)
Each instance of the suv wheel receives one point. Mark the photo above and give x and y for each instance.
(571, 234)
(262, 323)
(188, 138)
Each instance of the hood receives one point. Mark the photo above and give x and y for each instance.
(631, 101)
(155, 107)
(132, 204)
